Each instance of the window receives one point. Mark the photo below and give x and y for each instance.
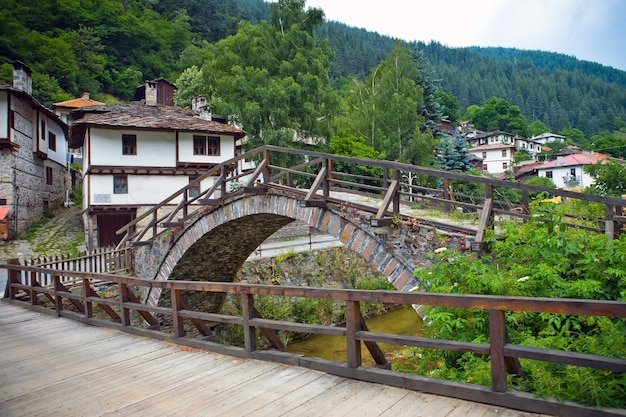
(129, 144)
(42, 131)
(120, 184)
(52, 141)
(504, 153)
(206, 145)
(485, 168)
(505, 165)
(199, 145)
(214, 145)
(49, 175)
(548, 174)
(572, 172)
(484, 155)
(193, 192)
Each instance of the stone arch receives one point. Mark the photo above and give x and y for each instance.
(230, 233)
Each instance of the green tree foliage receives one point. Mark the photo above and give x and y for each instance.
(498, 114)
(450, 106)
(273, 78)
(575, 136)
(609, 145)
(386, 108)
(541, 258)
(345, 143)
(452, 155)
(610, 178)
(537, 127)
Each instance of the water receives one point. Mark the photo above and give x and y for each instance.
(403, 321)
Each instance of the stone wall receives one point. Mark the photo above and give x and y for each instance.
(22, 169)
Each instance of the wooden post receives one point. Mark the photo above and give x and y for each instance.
(177, 305)
(124, 311)
(353, 325)
(87, 305)
(33, 294)
(12, 278)
(446, 195)
(396, 196)
(609, 222)
(497, 336)
(266, 170)
(328, 164)
(525, 203)
(58, 300)
(249, 332)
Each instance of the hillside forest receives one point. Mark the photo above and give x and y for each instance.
(110, 47)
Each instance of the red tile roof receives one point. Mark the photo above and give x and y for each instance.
(79, 102)
(571, 160)
(137, 115)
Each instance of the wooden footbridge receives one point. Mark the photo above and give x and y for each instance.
(58, 367)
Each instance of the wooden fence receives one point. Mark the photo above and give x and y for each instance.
(98, 260)
(24, 285)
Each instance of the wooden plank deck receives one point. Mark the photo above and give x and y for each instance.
(58, 367)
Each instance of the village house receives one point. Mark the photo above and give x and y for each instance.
(566, 172)
(33, 156)
(137, 154)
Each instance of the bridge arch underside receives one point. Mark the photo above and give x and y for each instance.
(215, 246)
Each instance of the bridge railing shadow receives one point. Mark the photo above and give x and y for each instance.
(119, 307)
(315, 175)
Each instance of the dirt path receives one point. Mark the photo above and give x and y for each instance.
(59, 233)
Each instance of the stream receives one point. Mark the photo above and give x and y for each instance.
(403, 321)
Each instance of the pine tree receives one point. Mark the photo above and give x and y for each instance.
(452, 154)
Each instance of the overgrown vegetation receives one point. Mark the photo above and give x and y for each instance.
(542, 258)
(334, 268)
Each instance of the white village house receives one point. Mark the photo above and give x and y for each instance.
(137, 154)
(567, 171)
(33, 156)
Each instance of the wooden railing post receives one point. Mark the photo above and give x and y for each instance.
(177, 305)
(266, 170)
(609, 221)
(396, 196)
(87, 305)
(353, 325)
(525, 203)
(497, 336)
(12, 278)
(328, 164)
(124, 311)
(249, 332)
(58, 299)
(33, 293)
(446, 195)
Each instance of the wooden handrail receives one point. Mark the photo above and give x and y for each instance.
(24, 279)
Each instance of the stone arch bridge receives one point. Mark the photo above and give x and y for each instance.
(210, 235)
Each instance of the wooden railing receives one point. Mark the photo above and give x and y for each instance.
(24, 287)
(316, 174)
(98, 260)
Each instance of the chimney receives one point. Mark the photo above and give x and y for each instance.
(85, 96)
(151, 93)
(559, 160)
(22, 77)
(200, 105)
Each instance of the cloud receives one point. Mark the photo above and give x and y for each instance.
(590, 30)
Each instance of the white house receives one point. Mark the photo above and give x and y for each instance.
(33, 156)
(497, 158)
(567, 171)
(137, 154)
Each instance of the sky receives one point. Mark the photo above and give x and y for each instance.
(591, 30)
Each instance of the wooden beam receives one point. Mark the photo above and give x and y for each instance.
(319, 180)
(394, 186)
(485, 219)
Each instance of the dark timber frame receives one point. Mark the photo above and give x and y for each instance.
(23, 288)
